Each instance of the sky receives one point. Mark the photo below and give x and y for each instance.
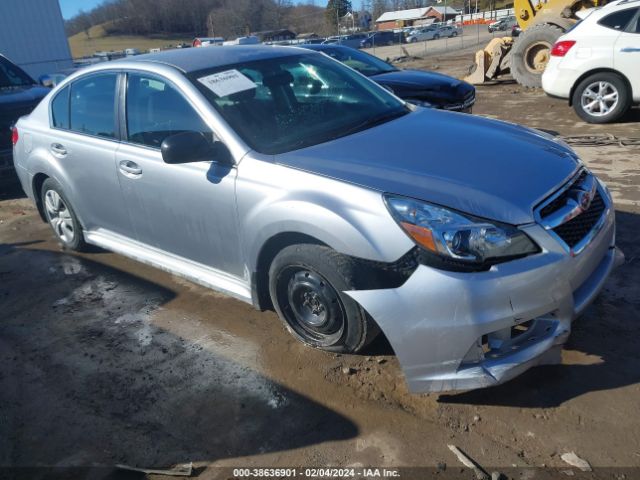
(71, 7)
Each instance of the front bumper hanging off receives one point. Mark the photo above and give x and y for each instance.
(459, 331)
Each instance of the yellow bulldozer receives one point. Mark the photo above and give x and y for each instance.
(542, 23)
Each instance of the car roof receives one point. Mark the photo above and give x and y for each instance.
(193, 59)
(623, 3)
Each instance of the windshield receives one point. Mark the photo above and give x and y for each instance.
(362, 62)
(12, 76)
(282, 104)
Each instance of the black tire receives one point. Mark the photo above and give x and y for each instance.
(454, 34)
(306, 284)
(530, 53)
(436, 36)
(616, 83)
(63, 222)
(414, 40)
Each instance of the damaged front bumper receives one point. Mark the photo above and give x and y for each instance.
(460, 331)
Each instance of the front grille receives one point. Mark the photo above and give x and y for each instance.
(577, 228)
(565, 204)
(561, 200)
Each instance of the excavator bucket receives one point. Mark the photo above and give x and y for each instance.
(491, 62)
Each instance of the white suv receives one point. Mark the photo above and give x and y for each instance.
(596, 64)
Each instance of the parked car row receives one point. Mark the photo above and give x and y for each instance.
(393, 37)
(433, 32)
(503, 25)
(382, 38)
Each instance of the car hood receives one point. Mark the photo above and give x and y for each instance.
(14, 103)
(484, 167)
(18, 97)
(417, 84)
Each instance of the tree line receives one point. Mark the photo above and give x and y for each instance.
(226, 18)
(220, 18)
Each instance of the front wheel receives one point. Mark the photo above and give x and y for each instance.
(601, 98)
(307, 285)
(414, 40)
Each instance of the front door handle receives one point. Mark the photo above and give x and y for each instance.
(58, 149)
(629, 49)
(130, 169)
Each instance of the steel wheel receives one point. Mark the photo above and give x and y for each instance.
(311, 306)
(599, 98)
(59, 216)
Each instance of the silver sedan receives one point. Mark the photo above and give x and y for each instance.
(290, 181)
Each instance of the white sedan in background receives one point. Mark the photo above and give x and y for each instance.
(596, 65)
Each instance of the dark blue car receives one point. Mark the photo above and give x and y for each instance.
(427, 89)
(19, 94)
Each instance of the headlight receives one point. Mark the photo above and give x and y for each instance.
(420, 103)
(456, 236)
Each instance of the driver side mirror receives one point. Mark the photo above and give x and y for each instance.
(188, 147)
(46, 81)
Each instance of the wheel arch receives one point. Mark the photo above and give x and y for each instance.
(593, 72)
(374, 274)
(266, 254)
(36, 184)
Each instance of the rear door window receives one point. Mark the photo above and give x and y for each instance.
(92, 106)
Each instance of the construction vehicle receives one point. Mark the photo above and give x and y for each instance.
(542, 23)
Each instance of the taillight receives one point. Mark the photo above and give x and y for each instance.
(560, 49)
(14, 135)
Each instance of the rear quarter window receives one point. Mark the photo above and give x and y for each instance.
(618, 20)
(60, 109)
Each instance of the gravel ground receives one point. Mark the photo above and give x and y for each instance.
(107, 361)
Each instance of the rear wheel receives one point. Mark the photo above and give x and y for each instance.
(414, 40)
(307, 285)
(601, 98)
(61, 217)
(436, 36)
(530, 53)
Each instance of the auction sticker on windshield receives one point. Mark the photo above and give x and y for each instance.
(227, 83)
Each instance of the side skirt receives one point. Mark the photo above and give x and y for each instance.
(195, 272)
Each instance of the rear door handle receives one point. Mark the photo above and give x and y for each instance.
(130, 169)
(630, 49)
(58, 149)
